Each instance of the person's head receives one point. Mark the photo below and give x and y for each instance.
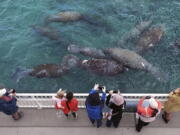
(2, 92)
(60, 93)
(69, 96)
(177, 91)
(117, 99)
(94, 99)
(153, 103)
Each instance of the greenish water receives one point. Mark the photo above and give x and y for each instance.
(20, 46)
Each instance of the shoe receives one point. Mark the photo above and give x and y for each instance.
(76, 116)
(20, 115)
(164, 118)
(137, 129)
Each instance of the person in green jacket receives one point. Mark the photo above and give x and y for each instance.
(172, 105)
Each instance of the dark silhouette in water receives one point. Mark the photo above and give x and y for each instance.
(46, 31)
(40, 71)
(97, 66)
(134, 61)
(87, 51)
(149, 38)
(134, 32)
(102, 66)
(47, 70)
(72, 16)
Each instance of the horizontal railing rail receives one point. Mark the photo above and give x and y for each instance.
(44, 100)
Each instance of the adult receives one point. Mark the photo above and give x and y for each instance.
(115, 102)
(148, 109)
(8, 104)
(172, 105)
(94, 104)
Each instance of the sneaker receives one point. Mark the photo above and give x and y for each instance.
(20, 115)
(164, 118)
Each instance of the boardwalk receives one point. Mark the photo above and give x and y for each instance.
(45, 122)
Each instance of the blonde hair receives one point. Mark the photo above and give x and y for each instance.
(60, 93)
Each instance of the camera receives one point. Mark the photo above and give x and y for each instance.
(12, 91)
(101, 87)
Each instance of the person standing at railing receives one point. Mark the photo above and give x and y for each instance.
(70, 105)
(94, 104)
(115, 102)
(172, 105)
(57, 99)
(148, 109)
(8, 103)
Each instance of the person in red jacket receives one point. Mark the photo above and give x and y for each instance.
(70, 104)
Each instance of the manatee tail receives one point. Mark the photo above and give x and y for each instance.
(160, 76)
(70, 61)
(74, 48)
(19, 74)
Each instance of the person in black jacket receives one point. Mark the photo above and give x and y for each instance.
(115, 102)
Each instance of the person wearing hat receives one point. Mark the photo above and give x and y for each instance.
(172, 105)
(115, 102)
(8, 104)
(58, 98)
(148, 108)
(94, 104)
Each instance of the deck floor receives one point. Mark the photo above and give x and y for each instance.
(45, 122)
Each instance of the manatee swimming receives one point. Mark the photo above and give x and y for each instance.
(66, 16)
(97, 66)
(134, 61)
(87, 51)
(102, 66)
(46, 31)
(135, 32)
(72, 16)
(149, 38)
(40, 71)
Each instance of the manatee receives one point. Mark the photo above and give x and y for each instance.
(46, 31)
(71, 16)
(149, 38)
(134, 61)
(40, 71)
(102, 66)
(135, 32)
(66, 16)
(91, 52)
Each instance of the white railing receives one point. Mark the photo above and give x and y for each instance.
(44, 100)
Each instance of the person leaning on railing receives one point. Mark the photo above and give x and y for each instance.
(70, 105)
(94, 104)
(8, 103)
(172, 105)
(148, 109)
(115, 102)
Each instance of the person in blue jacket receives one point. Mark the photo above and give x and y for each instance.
(95, 104)
(8, 104)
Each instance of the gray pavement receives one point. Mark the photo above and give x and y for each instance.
(45, 122)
